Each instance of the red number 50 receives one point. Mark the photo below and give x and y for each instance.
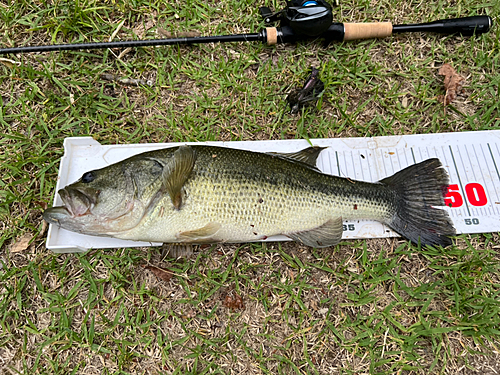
(475, 195)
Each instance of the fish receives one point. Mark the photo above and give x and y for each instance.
(193, 194)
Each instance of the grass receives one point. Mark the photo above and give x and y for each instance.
(363, 307)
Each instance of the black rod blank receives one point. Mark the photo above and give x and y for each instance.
(137, 43)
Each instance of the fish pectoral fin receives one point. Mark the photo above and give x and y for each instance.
(327, 234)
(200, 234)
(176, 173)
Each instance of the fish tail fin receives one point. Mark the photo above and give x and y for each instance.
(419, 189)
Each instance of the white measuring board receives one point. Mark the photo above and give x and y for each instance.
(472, 160)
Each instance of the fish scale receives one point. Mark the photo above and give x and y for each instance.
(298, 197)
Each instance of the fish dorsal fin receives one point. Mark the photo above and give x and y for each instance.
(200, 234)
(176, 173)
(307, 156)
(327, 234)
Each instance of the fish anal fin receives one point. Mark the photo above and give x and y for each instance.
(177, 250)
(327, 234)
(201, 234)
(176, 173)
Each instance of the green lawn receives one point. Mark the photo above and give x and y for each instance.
(362, 307)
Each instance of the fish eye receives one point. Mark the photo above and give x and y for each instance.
(88, 177)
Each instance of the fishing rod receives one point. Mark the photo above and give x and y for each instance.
(300, 20)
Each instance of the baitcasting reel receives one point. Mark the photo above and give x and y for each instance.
(307, 17)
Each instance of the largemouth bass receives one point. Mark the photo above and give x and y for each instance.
(206, 194)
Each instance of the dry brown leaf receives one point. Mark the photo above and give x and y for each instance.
(160, 273)
(452, 84)
(22, 243)
(233, 301)
(313, 305)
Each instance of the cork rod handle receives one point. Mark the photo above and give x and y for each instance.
(272, 35)
(353, 31)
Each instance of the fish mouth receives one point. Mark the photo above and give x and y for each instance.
(56, 215)
(76, 202)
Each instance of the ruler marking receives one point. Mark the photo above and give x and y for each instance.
(383, 163)
(470, 162)
(492, 158)
(346, 168)
(354, 172)
(405, 153)
(361, 165)
(361, 162)
(369, 167)
(475, 210)
(489, 206)
(475, 179)
(467, 178)
(390, 159)
(330, 163)
(388, 163)
(393, 160)
(330, 170)
(459, 179)
(354, 166)
(413, 156)
(338, 164)
(456, 212)
(495, 206)
(489, 170)
(320, 162)
(444, 162)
